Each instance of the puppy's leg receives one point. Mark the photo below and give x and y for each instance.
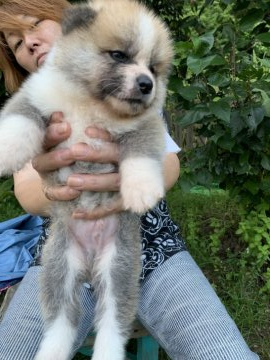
(22, 130)
(20, 137)
(118, 270)
(61, 278)
(109, 343)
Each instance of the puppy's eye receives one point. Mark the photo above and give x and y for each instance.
(118, 56)
(152, 69)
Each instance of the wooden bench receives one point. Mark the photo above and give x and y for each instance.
(146, 348)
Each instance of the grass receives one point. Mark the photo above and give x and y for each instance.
(9, 206)
(208, 221)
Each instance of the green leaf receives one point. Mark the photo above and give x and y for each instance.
(218, 60)
(264, 37)
(253, 18)
(265, 185)
(221, 109)
(250, 72)
(201, 86)
(254, 116)
(243, 159)
(229, 32)
(188, 92)
(236, 124)
(176, 62)
(203, 44)
(174, 83)
(204, 177)
(265, 162)
(219, 80)
(251, 186)
(239, 89)
(217, 135)
(265, 62)
(226, 142)
(182, 48)
(197, 64)
(266, 100)
(194, 116)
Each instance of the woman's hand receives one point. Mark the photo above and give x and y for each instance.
(58, 131)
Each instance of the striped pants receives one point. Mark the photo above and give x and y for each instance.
(177, 305)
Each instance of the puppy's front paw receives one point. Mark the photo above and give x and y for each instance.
(141, 197)
(141, 184)
(20, 140)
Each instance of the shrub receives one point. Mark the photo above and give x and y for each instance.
(220, 85)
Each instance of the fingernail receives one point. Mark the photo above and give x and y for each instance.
(62, 128)
(90, 131)
(75, 181)
(73, 192)
(64, 154)
(79, 150)
(78, 214)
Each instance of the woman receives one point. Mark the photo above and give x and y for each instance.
(177, 304)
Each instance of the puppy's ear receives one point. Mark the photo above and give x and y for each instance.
(76, 17)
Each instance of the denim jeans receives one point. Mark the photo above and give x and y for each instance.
(177, 305)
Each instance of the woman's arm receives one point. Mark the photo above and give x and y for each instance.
(28, 191)
(171, 170)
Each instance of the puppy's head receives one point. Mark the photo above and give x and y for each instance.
(117, 51)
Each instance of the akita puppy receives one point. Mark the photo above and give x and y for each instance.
(108, 69)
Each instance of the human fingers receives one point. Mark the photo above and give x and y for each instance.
(60, 193)
(106, 153)
(95, 182)
(52, 160)
(56, 117)
(55, 159)
(57, 131)
(100, 211)
(97, 133)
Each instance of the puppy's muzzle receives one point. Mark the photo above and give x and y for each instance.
(145, 84)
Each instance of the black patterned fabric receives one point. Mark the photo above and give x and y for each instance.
(160, 238)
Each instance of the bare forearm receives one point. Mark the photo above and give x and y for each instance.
(171, 170)
(28, 191)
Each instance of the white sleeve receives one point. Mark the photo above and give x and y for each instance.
(171, 146)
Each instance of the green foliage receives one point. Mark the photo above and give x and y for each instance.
(254, 229)
(210, 221)
(221, 86)
(225, 228)
(170, 10)
(9, 206)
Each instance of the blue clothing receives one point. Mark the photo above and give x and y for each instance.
(18, 240)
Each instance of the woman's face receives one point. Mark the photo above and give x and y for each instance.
(31, 46)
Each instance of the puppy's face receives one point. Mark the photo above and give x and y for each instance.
(118, 52)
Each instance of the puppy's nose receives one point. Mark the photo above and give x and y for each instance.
(145, 84)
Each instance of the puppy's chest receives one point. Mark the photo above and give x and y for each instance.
(79, 121)
(81, 117)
